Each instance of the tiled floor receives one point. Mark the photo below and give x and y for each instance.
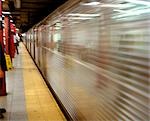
(28, 97)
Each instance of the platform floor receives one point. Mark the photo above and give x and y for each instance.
(29, 98)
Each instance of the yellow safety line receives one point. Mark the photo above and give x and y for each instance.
(40, 104)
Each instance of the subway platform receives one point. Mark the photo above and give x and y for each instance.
(28, 97)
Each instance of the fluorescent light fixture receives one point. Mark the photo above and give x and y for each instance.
(91, 3)
(3, 0)
(80, 18)
(84, 15)
(5, 12)
(139, 2)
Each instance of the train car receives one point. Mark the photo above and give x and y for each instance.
(95, 55)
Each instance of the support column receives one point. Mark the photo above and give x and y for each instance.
(2, 79)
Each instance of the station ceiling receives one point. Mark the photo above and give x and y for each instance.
(26, 13)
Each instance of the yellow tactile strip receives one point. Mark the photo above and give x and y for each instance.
(40, 104)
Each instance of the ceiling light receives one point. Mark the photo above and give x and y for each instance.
(5, 12)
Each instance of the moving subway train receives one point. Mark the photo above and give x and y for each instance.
(95, 55)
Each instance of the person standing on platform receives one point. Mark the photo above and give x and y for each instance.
(16, 41)
(20, 35)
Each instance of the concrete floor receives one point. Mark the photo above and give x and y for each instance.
(28, 97)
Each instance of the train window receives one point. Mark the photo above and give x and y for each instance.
(55, 36)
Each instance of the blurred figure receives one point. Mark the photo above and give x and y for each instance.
(16, 41)
(20, 35)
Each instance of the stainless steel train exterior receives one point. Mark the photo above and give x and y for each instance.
(95, 56)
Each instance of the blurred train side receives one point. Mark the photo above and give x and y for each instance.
(98, 66)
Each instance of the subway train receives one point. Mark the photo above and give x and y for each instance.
(95, 55)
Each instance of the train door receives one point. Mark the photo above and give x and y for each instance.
(40, 42)
(30, 43)
(36, 46)
(43, 50)
(34, 37)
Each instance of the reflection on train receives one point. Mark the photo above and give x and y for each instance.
(95, 56)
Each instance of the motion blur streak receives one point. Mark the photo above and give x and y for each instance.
(96, 58)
